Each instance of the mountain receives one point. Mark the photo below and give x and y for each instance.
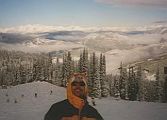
(29, 107)
(118, 44)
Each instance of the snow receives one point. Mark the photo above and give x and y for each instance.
(150, 77)
(125, 110)
(119, 44)
(31, 108)
(48, 47)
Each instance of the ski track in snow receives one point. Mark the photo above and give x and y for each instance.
(31, 108)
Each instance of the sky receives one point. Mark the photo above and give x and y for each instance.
(82, 12)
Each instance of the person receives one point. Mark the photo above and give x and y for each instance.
(93, 101)
(76, 106)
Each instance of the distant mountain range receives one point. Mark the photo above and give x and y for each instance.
(118, 44)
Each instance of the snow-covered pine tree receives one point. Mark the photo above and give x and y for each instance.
(140, 83)
(74, 65)
(165, 90)
(29, 67)
(132, 85)
(49, 67)
(83, 61)
(1, 76)
(70, 67)
(122, 82)
(45, 71)
(116, 89)
(64, 71)
(17, 77)
(67, 68)
(56, 72)
(158, 87)
(80, 62)
(91, 76)
(102, 76)
(11, 72)
(22, 74)
(4, 75)
(110, 80)
(30, 70)
(38, 70)
(96, 87)
(152, 93)
(59, 77)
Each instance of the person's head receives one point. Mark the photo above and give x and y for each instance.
(77, 89)
(78, 85)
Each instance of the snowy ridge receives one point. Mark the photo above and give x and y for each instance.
(119, 44)
(31, 108)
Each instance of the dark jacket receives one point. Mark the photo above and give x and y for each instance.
(63, 110)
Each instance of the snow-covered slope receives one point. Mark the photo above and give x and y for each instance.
(28, 107)
(31, 108)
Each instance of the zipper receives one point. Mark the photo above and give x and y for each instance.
(79, 115)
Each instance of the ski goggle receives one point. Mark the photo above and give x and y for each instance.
(75, 83)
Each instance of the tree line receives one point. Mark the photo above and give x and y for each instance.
(132, 85)
(19, 68)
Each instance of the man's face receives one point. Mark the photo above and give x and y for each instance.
(78, 87)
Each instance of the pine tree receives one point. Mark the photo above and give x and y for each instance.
(103, 80)
(165, 90)
(70, 67)
(83, 61)
(97, 84)
(91, 76)
(132, 85)
(139, 79)
(116, 87)
(22, 74)
(30, 71)
(49, 67)
(64, 71)
(96, 87)
(38, 71)
(16, 79)
(122, 82)
(110, 80)
(56, 73)
(158, 87)
(4, 77)
(80, 63)
(67, 68)
(1, 77)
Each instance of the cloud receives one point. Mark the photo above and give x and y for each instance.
(136, 2)
(119, 44)
(37, 28)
